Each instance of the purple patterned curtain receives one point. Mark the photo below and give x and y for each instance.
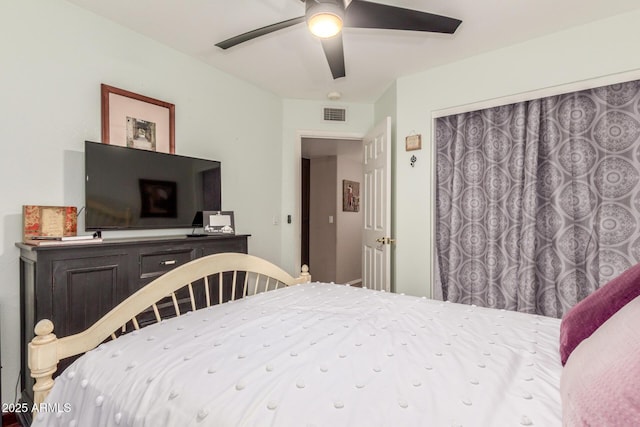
(538, 203)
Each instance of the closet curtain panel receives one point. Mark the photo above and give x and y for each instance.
(538, 203)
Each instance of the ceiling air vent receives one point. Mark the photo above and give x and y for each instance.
(335, 114)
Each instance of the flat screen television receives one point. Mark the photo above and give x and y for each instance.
(129, 188)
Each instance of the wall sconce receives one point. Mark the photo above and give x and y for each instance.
(413, 160)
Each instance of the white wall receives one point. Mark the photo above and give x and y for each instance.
(598, 49)
(53, 57)
(304, 118)
(322, 232)
(348, 249)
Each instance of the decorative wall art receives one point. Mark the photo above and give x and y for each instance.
(137, 121)
(350, 196)
(413, 142)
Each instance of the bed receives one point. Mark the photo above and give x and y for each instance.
(292, 352)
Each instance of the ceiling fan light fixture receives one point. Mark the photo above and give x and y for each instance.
(324, 19)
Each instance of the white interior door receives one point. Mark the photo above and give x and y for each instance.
(376, 240)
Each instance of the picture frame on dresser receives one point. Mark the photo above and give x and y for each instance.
(48, 221)
(137, 121)
(218, 222)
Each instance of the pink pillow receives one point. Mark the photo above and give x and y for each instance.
(586, 316)
(600, 382)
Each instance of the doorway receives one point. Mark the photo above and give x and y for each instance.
(331, 228)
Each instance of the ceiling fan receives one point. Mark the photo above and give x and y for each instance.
(326, 18)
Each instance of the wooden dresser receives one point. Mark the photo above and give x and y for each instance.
(74, 285)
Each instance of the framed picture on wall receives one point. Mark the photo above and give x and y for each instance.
(350, 196)
(413, 142)
(137, 121)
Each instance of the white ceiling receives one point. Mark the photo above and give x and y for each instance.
(291, 62)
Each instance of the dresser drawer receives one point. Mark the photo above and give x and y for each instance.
(154, 264)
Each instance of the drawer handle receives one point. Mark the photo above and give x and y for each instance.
(168, 262)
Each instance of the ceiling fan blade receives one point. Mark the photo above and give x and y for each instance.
(364, 14)
(334, 52)
(226, 44)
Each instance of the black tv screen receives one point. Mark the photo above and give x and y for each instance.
(128, 188)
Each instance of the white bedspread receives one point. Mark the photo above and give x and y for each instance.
(321, 355)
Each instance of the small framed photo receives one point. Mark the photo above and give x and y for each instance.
(48, 221)
(218, 222)
(413, 142)
(137, 121)
(350, 196)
